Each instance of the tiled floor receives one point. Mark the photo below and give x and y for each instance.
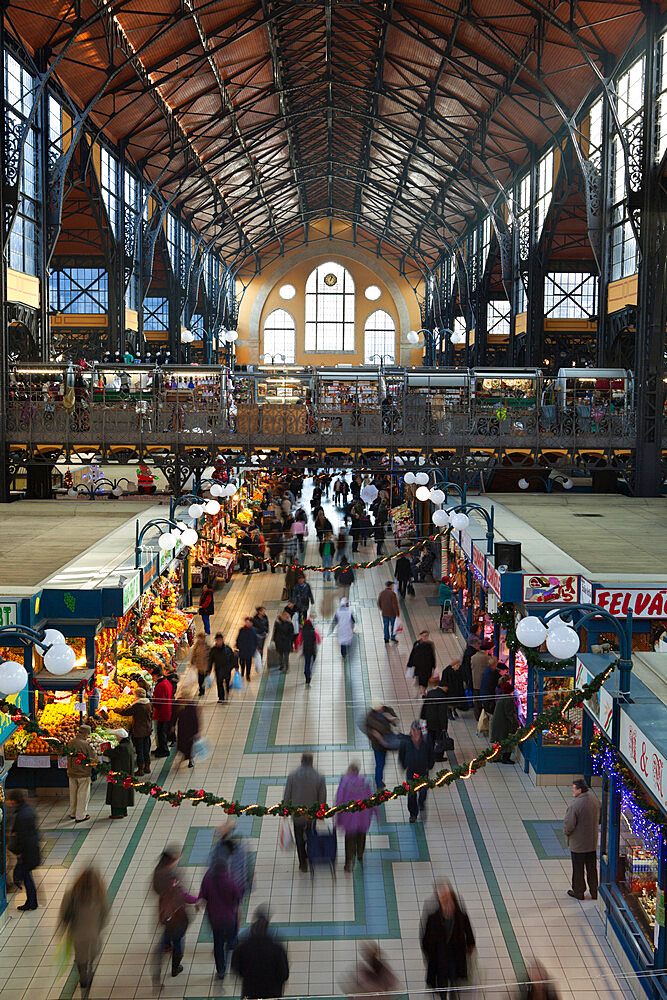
(495, 837)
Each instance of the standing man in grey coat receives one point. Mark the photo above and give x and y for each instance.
(581, 826)
(304, 787)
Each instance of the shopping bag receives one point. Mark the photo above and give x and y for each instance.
(209, 681)
(258, 661)
(237, 681)
(411, 590)
(398, 626)
(483, 723)
(285, 835)
(64, 955)
(200, 750)
(272, 657)
(410, 673)
(296, 625)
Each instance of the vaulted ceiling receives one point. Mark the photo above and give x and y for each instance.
(404, 117)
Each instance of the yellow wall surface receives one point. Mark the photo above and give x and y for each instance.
(22, 288)
(521, 323)
(131, 319)
(72, 321)
(622, 293)
(398, 300)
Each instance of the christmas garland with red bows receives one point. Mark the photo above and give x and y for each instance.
(322, 810)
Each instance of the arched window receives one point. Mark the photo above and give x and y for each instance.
(280, 335)
(330, 309)
(380, 339)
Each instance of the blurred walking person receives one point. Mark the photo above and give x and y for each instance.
(539, 986)
(344, 622)
(24, 843)
(261, 961)
(84, 913)
(372, 975)
(187, 719)
(447, 941)
(172, 913)
(354, 825)
(223, 896)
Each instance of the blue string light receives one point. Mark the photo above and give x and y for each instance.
(606, 762)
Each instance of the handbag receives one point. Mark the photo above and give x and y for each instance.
(411, 590)
(410, 673)
(172, 913)
(483, 723)
(200, 750)
(258, 661)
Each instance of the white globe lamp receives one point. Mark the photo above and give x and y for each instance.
(216, 490)
(437, 497)
(231, 336)
(189, 537)
(459, 521)
(166, 541)
(52, 637)
(59, 660)
(409, 478)
(423, 493)
(231, 489)
(422, 478)
(568, 484)
(13, 677)
(440, 518)
(71, 492)
(412, 337)
(195, 510)
(523, 484)
(531, 631)
(563, 643)
(212, 507)
(117, 491)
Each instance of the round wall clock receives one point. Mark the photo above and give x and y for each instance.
(330, 280)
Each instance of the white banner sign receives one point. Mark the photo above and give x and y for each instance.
(642, 603)
(26, 760)
(644, 759)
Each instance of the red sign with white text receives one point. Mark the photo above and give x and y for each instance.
(643, 758)
(493, 578)
(478, 560)
(642, 603)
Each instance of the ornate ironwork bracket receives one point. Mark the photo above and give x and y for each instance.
(592, 184)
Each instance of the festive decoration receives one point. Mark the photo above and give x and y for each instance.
(504, 619)
(648, 823)
(367, 565)
(323, 810)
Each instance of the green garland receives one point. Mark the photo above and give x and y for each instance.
(322, 810)
(504, 619)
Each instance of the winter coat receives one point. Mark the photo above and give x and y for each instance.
(141, 712)
(222, 660)
(187, 727)
(24, 838)
(582, 823)
(302, 596)
(167, 884)
(379, 532)
(260, 623)
(299, 528)
(344, 620)
(121, 758)
(84, 920)
(246, 643)
(231, 854)
(261, 963)
(344, 576)
(222, 895)
(388, 603)
(354, 786)
(403, 568)
(417, 760)
(453, 680)
(378, 726)
(83, 770)
(283, 635)
(163, 696)
(309, 639)
(327, 548)
(435, 710)
(466, 668)
(479, 661)
(487, 688)
(504, 719)
(422, 661)
(444, 593)
(199, 658)
(446, 944)
(305, 787)
(206, 603)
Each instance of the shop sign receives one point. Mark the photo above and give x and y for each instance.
(28, 760)
(493, 578)
(642, 603)
(150, 572)
(166, 557)
(542, 589)
(585, 591)
(464, 542)
(22, 702)
(7, 614)
(478, 561)
(601, 704)
(643, 757)
(131, 591)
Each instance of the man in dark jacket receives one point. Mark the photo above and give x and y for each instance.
(403, 573)
(422, 659)
(434, 709)
(488, 685)
(378, 728)
(223, 661)
(206, 607)
(474, 643)
(388, 604)
(260, 623)
(283, 638)
(417, 757)
(24, 843)
(246, 644)
(302, 596)
(260, 961)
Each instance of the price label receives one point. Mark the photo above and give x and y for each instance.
(105, 683)
(127, 689)
(62, 762)
(79, 706)
(25, 760)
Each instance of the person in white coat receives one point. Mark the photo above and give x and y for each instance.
(344, 622)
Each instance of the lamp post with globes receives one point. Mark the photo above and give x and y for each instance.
(433, 341)
(547, 481)
(59, 658)
(197, 505)
(167, 538)
(92, 489)
(562, 638)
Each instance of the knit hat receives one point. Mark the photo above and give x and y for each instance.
(84, 730)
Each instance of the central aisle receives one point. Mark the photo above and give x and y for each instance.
(477, 834)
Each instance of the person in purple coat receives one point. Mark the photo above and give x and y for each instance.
(354, 824)
(223, 897)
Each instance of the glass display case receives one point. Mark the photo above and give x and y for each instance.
(567, 731)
